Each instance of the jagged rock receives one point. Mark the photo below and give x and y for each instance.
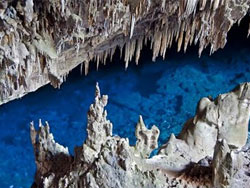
(147, 140)
(225, 164)
(98, 128)
(226, 117)
(186, 161)
(242, 177)
(52, 159)
(41, 41)
(46, 143)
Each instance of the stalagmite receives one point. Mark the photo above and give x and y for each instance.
(146, 139)
(203, 155)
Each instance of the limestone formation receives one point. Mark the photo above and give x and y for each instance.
(209, 152)
(225, 164)
(226, 117)
(41, 41)
(49, 155)
(98, 128)
(146, 139)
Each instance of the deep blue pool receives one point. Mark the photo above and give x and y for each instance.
(165, 93)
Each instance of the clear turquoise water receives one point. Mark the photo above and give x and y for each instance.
(165, 93)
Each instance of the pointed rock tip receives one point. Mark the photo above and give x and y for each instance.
(141, 122)
(40, 123)
(172, 137)
(140, 118)
(32, 124)
(97, 90)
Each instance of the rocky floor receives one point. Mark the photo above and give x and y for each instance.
(166, 95)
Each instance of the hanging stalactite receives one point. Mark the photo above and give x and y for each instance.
(68, 33)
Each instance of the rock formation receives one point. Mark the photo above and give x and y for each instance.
(41, 41)
(146, 139)
(226, 164)
(210, 151)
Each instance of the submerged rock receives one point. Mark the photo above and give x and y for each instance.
(208, 152)
(42, 41)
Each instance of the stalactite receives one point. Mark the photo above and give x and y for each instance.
(63, 6)
(132, 49)
(216, 4)
(65, 32)
(126, 57)
(193, 28)
(86, 67)
(138, 50)
(164, 42)
(171, 39)
(203, 4)
(156, 44)
(180, 40)
(187, 37)
(29, 10)
(112, 54)
(177, 31)
(163, 4)
(105, 56)
(129, 52)
(81, 68)
(248, 30)
(190, 6)
(121, 50)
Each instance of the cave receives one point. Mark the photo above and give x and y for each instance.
(158, 76)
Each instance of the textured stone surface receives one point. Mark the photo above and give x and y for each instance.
(98, 128)
(50, 156)
(146, 139)
(226, 163)
(225, 117)
(109, 161)
(41, 41)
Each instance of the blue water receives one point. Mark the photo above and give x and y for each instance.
(165, 93)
